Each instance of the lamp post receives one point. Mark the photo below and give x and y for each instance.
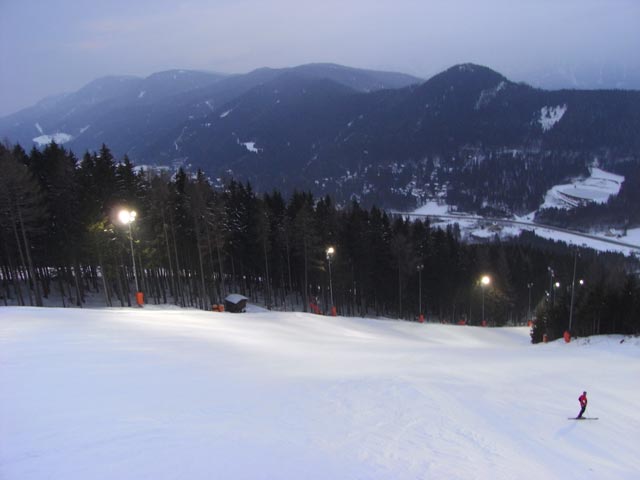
(420, 268)
(529, 285)
(330, 252)
(127, 217)
(484, 281)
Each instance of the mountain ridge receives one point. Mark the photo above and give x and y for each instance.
(321, 127)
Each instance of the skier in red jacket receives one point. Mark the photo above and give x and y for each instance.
(583, 403)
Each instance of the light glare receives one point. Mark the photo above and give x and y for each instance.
(126, 216)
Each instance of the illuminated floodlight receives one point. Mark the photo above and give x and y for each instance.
(126, 216)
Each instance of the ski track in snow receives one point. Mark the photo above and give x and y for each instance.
(179, 139)
(165, 393)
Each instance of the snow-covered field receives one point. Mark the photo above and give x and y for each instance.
(182, 394)
(59, 138)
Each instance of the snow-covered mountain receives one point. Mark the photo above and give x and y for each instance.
(171, 393)
(107, 110)
(468, 134)
(130, 113)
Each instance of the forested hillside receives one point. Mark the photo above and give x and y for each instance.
(468, 136)
(193, 244)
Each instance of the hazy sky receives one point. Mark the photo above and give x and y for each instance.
(55, 46)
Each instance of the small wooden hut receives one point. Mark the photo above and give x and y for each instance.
(235, 303)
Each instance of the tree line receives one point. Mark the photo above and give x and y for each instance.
(192, 244)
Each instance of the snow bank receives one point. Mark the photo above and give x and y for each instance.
(59, 138)
(251, 146)
(433, 208)
(168, 394)
(549, 116)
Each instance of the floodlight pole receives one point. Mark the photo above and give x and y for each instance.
(330, 252)
(128, 217)
(133, 257)
(484, 281)
(420, 268)
(482, 304)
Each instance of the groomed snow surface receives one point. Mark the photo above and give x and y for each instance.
(598, 188)
(182, 394)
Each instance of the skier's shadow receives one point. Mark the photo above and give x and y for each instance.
(563, 432)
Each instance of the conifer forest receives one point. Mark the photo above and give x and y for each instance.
(62, 243)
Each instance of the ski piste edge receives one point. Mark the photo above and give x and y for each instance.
(583, 418)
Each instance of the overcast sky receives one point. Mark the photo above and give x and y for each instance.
(55, 46)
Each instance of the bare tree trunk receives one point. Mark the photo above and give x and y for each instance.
(5, 283)
(123, 276)
(61, 286)
(288, 263)
(22, 260)
(166, 242)
(44, 274)
(103, 274)
(266, 269)
(29, 261)
(119, 289)
(13, 277)
(210, 249)
(306, 277)
(180, 290)
(202, 299)
(399, 292)
(221, 267)
(163, 279)
(79, 291)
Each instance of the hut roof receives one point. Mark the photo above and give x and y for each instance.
(235, 298)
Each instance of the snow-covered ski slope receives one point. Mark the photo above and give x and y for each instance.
(181, 394)
(598, 188)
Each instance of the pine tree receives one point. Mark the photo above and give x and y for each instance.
(198, 192)
(59, 182)
(21, 214)
(306, 240)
